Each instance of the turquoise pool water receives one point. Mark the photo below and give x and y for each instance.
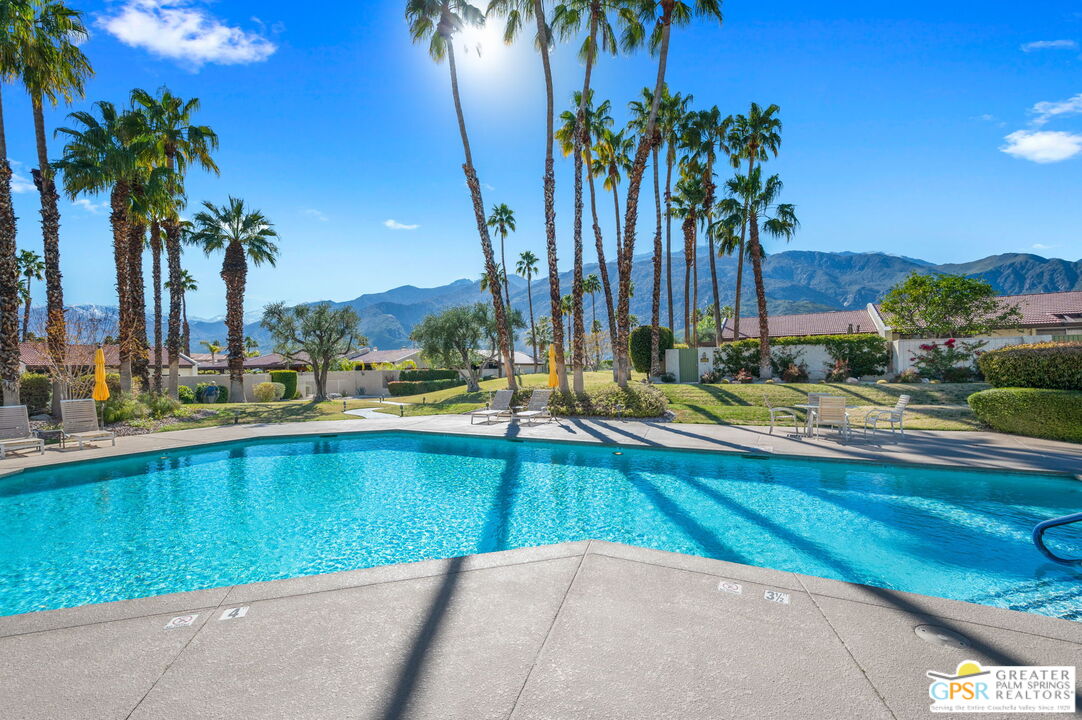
(101, 531)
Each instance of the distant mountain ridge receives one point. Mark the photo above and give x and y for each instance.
(796, 281)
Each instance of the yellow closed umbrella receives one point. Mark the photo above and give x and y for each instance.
(553, 379)
(101, 389)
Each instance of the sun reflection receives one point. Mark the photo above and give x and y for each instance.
(484, 42)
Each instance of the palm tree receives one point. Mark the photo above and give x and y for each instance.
(178, 144)
(53, 68)
(242, 235)
(102, 154)
(663, 14)
(591, 285)
(527, 267)
(686, 205)
(436, 22)
(515, 12)
(15, 21)
(566, 303)
(723, 236)
(671, 113)
(30, 267)
(213, 347)
(777, 220)
(752, 137)
(502, 221)
(186, 285)
(251, 346)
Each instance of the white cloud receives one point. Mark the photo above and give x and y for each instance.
(1042, 246)
(177, 30)
(313, 213)
(395, 225)
(94, 208)
(20, 183)
(1046, 110)
(1050, 45)
(1042, 146)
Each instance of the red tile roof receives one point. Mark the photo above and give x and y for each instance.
(270, 361)
(35, 354)
(824, 323)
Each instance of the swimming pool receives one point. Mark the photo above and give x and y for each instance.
(270, 509)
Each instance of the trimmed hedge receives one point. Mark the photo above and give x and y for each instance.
(637, 400)
(287, 378)
(1056, 366)
(639, 346)
(1051, 414)
(417, 387)
(428, 374)
(35, 391)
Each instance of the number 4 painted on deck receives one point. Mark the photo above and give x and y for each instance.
(237, 612)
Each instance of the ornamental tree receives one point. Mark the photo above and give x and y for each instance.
(945, 306)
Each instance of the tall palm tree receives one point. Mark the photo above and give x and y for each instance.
(566, 302)
(777, 220)
(724, 237)
(242, 235)
(31, 267)
(687, 204)
(527, 268)
(516, 13)
(752, 138)
(502, 221)
(671, 113)
(591, 285)
(179, 144)
(15, 22)
(436, 22)
(662, 15)
(186, 285)
(53, 69)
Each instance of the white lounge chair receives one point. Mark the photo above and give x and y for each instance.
(778, 412)
(15, 431)
(892, 415)
(831, 412)
(537, 408)
(499, 407)
(79, 419)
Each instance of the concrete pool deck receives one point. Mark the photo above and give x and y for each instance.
(588, 629)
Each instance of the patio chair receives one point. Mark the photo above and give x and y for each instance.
(779, 412)
(537, 408)
(831, 412)
(499, 407)
(79, 418)
(15, 431)
(892, 415)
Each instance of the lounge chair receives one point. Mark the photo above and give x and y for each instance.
(777, 412)
(79, 418)
(15, 431)
(892, 415)
(831, 412)
(499, 407)
(537, 408)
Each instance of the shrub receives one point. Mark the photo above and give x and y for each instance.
(269, 391)
(639, 346)
(795, 373)
(186, 394)
(201, 388)
(710, 377)
(952, 359)
(414, 375)
(415, 387)
(668, 377)
(159, 406)
(743, 377)
(122, 407)
(637, 400)
(287, 378)
(839, 372)
(865, 353)
(35, 391)
(1051, 414)
(83, 386)
(735, 357)
(783, 357)
(909, 375)
(1056, 366)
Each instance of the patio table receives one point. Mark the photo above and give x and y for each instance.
(810, 416)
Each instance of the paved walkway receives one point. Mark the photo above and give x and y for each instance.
(579, 630)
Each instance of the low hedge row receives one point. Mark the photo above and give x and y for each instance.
(415, 387)
(1051, 414)
(428, 374)
(635, 401)
(1056, 366)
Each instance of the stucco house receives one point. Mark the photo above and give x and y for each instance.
(34, 357)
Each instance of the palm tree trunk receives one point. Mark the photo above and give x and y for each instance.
(550, 202)
(599, 245)
(118, 219)
(187, 337)
(740, 258)
(533, 327)
(708, 209)
(655, 311)
(760, 296)
(9, 284)
(689, 248)
(26, 313)
(670, 159)
(55, 327)
(176, 299)
(507, 294)
(235, 275)
(631, 208)
(137, 295)
(156, 272)
(695, 285)
(482, 226)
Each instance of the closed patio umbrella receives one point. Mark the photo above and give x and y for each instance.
(101, 388)
(553, 379)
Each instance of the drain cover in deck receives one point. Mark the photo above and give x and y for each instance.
(938, 635)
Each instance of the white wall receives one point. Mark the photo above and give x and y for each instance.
(903, 350)
(343, 382)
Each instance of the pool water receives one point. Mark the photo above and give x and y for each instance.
(263, 510)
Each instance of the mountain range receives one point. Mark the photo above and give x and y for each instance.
(796, 281)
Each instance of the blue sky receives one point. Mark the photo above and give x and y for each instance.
(946, 131)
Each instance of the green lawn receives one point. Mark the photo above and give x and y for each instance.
(276, 412)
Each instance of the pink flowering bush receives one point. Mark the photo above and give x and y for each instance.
(950, 361)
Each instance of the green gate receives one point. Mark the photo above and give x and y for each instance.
(689, 365)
